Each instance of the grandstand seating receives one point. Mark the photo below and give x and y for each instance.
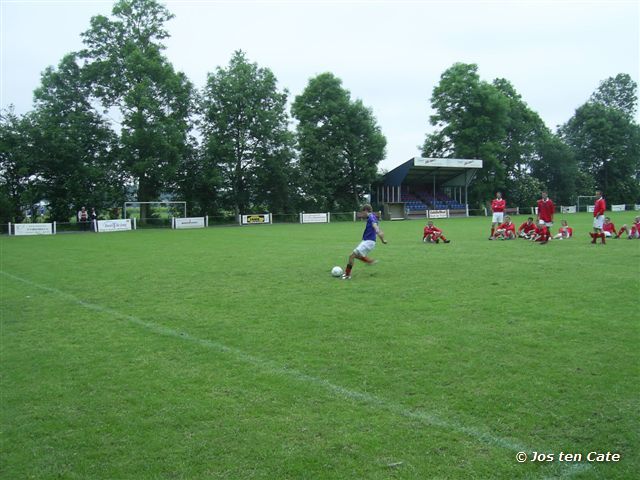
(426, 199)
(412, 202)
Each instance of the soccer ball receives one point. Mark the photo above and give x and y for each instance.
(336, 271)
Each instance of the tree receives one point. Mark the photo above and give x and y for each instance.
(75, 148)
(619, 93)
(17, 191)
(339, 141)
(363, 150)
(524, 132)
(128, 72)
(198, 182)
(246, 136)
(557, 168)
(607, 146)
(471, 121)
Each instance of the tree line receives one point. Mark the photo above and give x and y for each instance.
(115, 121)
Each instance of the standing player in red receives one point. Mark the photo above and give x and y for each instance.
(599, 208)
(498, 206)
(433, 234)
(546, 209)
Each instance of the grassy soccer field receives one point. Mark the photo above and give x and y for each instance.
(232, 353)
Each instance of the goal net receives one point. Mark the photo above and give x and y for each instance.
(151, 210)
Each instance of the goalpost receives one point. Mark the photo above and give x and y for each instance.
(586, 200)
(177, 205)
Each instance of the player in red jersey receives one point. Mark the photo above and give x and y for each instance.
(546, 209)
(543, 234)
(527, 229)
(599, 208)
(433, 234)
(609, 229)
(633, 232)
(498, 206)
(565, 231)
(506, 230)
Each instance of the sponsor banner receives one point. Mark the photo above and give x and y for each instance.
(636, 207)
(193, 222)
(33, 229)
(437, 213)
(314, 218)
(105, 226)
(591, 208)
(617, 208)
(447, 162)
(571, 209)
(256, 219)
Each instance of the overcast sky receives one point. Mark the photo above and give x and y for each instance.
(390, 54)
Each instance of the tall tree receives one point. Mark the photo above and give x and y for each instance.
(340, 143)
(128, 72)
(556, 167)
(76, 150)
(17, 165)
(471, 120)
(607, 146)
(620, 93)
(523, 130)
(363, 150)
(198, 182)
(246, 136)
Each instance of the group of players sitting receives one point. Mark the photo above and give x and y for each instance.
(609, 229)
(531, 231)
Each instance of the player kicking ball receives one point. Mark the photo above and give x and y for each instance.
(368, 243)
(433, 234)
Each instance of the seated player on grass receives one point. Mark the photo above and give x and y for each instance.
(565, 231)
(527, 229)
(433, 234)
(506, 230)
(542, 235)
(609, 229)
(633, 232)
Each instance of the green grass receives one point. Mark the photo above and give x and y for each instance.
(232, 353)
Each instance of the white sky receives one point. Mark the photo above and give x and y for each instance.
(389, 54)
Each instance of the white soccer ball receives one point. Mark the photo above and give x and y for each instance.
(336, 271)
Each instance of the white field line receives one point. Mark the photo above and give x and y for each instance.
(566, 470)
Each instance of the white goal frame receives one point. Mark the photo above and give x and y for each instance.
(159, 204)
(590, 197)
